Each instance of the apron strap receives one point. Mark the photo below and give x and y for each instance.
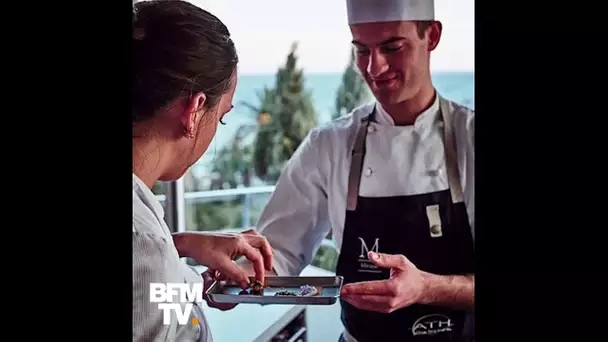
(358, 153)
(356, 166)
(450, 152)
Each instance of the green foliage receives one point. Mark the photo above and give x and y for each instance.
(326, 258)
(265, 137)
(216, 215)
(224, 214)
(353, 91)
(286, 114)
(234, 162)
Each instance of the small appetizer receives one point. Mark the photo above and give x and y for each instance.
(307, 291)
(257, 288)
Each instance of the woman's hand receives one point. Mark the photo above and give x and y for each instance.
(217, 251)
(209, 276)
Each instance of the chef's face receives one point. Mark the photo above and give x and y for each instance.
(394, 57)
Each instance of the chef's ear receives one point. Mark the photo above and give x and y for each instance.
(193, 111)
(434, 34)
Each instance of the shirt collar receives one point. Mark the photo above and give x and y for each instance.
(147, 196)
(422, 121)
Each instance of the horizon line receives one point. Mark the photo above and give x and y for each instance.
(264, 73)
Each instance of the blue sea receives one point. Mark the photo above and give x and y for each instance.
(457, 86)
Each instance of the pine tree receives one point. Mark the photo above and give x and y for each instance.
(286, 114)
(233, 163)
(353, 91)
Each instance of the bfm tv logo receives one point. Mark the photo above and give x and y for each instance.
(166, 294)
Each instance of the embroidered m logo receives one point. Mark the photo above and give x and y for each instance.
(365, 250)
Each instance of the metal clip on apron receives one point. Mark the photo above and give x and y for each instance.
(432, 230)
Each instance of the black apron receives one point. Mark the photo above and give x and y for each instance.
(432, 230)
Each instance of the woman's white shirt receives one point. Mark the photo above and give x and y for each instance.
(156, 260)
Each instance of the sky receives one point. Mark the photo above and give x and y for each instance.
(263, 31)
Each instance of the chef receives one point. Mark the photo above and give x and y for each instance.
(394, 182)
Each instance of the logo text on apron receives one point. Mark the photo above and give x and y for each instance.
(366, 265)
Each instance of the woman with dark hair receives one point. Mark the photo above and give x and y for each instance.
(184, 77)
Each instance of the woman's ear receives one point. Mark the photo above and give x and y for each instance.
(193, 109)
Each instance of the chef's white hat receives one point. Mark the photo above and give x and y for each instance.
(370, 11)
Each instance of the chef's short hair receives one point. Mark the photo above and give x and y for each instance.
(178, 49)
(422, 26)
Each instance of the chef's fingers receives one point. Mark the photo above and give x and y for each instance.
(373, 287)
(382, 304)
(256, 240)
(256, 259)
(383, 260)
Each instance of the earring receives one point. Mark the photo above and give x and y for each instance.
(188, 133)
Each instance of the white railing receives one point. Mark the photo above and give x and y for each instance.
(245, 195)
(213, 195)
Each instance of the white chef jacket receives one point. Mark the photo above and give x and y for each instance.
(310, 195)
(155, 259)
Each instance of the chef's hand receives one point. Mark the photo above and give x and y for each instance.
(404, 288)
